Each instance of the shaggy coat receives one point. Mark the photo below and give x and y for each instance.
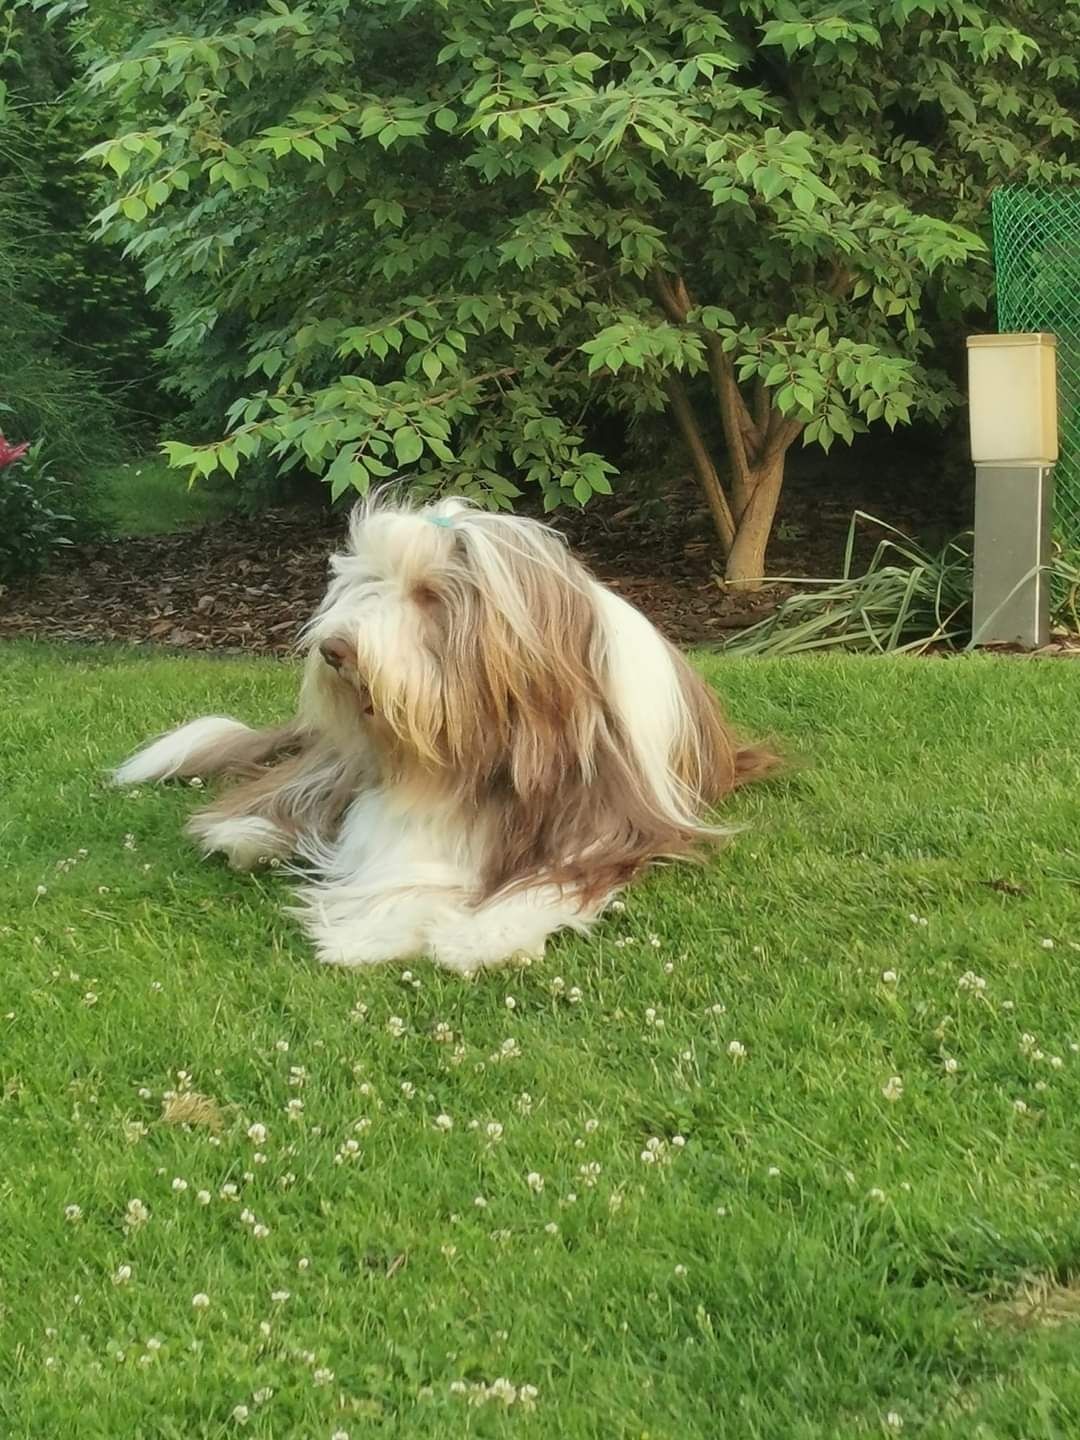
(489, 744)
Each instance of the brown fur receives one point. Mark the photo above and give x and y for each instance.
(307, 791)
(535, 753)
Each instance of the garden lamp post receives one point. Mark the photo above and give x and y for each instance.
(1012, 392)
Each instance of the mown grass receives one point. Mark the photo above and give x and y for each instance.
(145, 497)
(816, 1260)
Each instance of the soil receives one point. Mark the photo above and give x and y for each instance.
(248, 585)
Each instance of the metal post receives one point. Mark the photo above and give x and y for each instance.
(1012, 394)
(1013, 512)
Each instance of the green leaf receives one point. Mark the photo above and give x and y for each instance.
(803, 199)
(408, 446)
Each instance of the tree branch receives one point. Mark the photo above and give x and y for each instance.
(702, 462)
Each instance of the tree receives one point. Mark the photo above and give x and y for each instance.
(438, 233)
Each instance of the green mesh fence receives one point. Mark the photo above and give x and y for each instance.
(1037, 268)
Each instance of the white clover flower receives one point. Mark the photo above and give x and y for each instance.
(535, 1182)
(260, 1231)
(951, 1065)
(493, 1130)
(240, 1413)
(680, 1270)
(893, 1088)
(72, 1214)
(442, 1033)
(396, 1025)
(179, 1185)
(876, 1194)
(257, 1133)
(551, 1228)
(121, 1275)
(510, 1003)
(137, 1214)
(889, 977)
(408, 1089)
(322, 1376)
(589, 1173)
(736, 1050)
(443, 1122)
(1020, 1106)
(201, 1301)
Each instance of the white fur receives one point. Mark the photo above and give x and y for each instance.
(246, 841)
(397, 884)
(164, 758)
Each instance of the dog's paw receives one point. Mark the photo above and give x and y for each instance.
(468, 952)
(246, 841)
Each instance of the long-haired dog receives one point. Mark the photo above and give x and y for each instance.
(489, 745)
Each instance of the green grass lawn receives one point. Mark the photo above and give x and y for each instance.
(811, 1248)
(145, 497)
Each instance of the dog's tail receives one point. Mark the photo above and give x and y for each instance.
(755, 762)
(213, 745)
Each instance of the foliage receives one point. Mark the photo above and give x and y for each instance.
(814, 1257)
(75, 309)
(906, 600)
(31, 525)
(431, 238)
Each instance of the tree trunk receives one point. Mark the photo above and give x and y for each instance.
(745, 565)
(757, 441)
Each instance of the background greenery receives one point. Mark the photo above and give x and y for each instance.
(509, 248)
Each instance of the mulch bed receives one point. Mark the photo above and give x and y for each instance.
(248, 585)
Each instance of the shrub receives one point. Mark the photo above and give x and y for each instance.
(32, 519)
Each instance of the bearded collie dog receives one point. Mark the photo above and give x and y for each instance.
(489, 744)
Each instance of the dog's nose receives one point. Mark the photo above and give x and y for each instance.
(334, 652)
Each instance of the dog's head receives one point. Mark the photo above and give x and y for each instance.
(461, 641)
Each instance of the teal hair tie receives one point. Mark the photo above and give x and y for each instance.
(445, 522)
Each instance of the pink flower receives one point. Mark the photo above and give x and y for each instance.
(10, 453)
